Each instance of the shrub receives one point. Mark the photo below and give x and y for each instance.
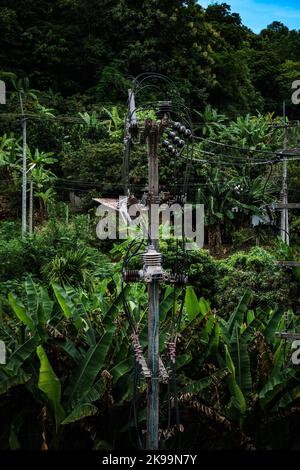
(257, 271)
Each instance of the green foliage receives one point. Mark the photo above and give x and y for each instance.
(74, 267)
(257, 271)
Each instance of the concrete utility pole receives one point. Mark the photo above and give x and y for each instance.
(2, 92)
(153, 370)
(24, 167)
(31, 207)
(285, 212)
(153, 298)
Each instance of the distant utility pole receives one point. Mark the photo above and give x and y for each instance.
(31, 207)
(2, 92)
(24, 166)
(284, 226)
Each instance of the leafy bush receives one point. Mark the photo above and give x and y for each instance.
(51, 248)
(256, 271)
(77, 267)
(201, 267)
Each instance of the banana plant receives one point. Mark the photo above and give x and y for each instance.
(43, 321)
(251, 361)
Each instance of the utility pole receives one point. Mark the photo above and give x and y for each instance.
(24, 167)
(153, 297)
(31, 207)
(285, 212)
(152, 273)
(153, 370)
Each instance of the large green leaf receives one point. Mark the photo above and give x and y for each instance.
(32, 298)
(89, 366)
(288, 398)
(66, 304)
(79, 412)
(207, 330)
(95, 392)
(191, 304)
(45, 307)
(240, 356)
(122, 368)
(237, 397)
(182, 360)
(64, 300)
(270, 330)
(50, 385)
(167, 304)
(20, 311)
(8, 382)
(199, 385)
(22, 352)
(237, 317)
(204, 307)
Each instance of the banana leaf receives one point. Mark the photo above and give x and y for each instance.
(237, 398)
(22, 353)
(66, 304)
(20, 311)
(50, 385)
(6, 383)
(191, 304)
(288, 398)
(79, 412)
(272, 324)
(122, 368)
(199, 385)
(237, 317)
(88, 367)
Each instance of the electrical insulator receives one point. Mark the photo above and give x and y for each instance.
(171, 134)
(182, 129)
(165, 108)
(188, 133)
(132, 275)
(177, 140)
(181, 279)
(165, 143)
(170, 148)
(176, 125)
(181, 143)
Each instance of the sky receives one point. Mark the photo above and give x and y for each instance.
(257, 14)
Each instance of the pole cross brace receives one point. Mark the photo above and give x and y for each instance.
(163, 373)
(145, 370)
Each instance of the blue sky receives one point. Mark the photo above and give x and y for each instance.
(257, 14)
